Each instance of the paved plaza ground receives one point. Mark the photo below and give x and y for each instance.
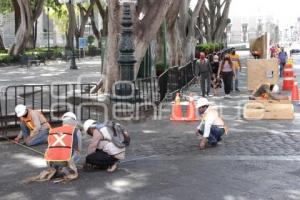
(258, 160)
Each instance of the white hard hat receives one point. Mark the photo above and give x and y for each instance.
(20, 110)
(87, 124)
(69, 115)
(275, 89)
(202, 102)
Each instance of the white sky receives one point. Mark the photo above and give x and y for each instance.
(285, 12)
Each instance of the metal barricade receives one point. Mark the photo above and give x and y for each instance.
(52, 100)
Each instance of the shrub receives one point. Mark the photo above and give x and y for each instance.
(209, 48)
(90, 40)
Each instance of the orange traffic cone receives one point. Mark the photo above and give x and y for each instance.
(176, 110)
(191, 110)
(295, 92)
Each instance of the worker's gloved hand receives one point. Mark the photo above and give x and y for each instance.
(203, 143)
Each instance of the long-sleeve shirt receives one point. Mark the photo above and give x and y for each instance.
(35, 121)
(210, 117)
(202, 67)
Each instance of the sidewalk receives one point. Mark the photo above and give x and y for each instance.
(257, 160)
(88, 71)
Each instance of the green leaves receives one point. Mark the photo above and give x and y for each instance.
(6, 7)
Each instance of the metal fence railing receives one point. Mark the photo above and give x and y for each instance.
(134, 97)
(175, 79)
(163, 80)
(51, 100)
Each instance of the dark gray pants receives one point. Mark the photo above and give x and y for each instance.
(205, 79)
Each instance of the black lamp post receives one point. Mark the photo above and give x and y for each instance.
(73, 58)
(126, 58)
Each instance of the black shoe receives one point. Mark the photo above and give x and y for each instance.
(211, 145)
(236, 89)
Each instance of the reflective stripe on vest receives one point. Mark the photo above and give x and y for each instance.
(60, 143)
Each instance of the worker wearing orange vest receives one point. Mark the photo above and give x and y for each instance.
(267, 91)
(64, 146)
(34, 126)
(212, 126)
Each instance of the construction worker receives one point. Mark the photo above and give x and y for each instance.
(102, 151)
(267, 91)
(63, 152)
(34, 126)
(212, 126)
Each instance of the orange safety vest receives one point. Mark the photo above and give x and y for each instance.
(264, 96)
(28, 119)
(60, 143)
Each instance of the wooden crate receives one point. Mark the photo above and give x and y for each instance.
(262, 71)
(264, 109)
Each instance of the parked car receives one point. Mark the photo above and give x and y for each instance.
(295, 48)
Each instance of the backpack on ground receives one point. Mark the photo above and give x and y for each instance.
(118, 135)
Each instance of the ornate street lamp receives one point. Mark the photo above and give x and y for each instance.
(126, 58)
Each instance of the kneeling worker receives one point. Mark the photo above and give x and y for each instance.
(107, 146)
(64, 146)
(34, 126)
(212, 126)
(267, 91)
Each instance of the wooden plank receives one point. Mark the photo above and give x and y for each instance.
(261, 71)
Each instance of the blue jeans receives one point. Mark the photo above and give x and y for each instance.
(40, 138)
(215, 135)
(281, 69)
(235, 82)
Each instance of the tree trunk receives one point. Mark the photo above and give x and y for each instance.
(111, 67)
(17, 15)
(2, 47)
(94, 27)
(84, 14)
(104, 15)
(214, 19)
(71, 26)
(145, 31)
(173, 34)
(182, 36)
(222, 22)
(28, 17)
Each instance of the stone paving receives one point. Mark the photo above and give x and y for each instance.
(258, 160)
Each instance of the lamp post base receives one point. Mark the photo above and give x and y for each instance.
(73, 60)
(73, 64)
